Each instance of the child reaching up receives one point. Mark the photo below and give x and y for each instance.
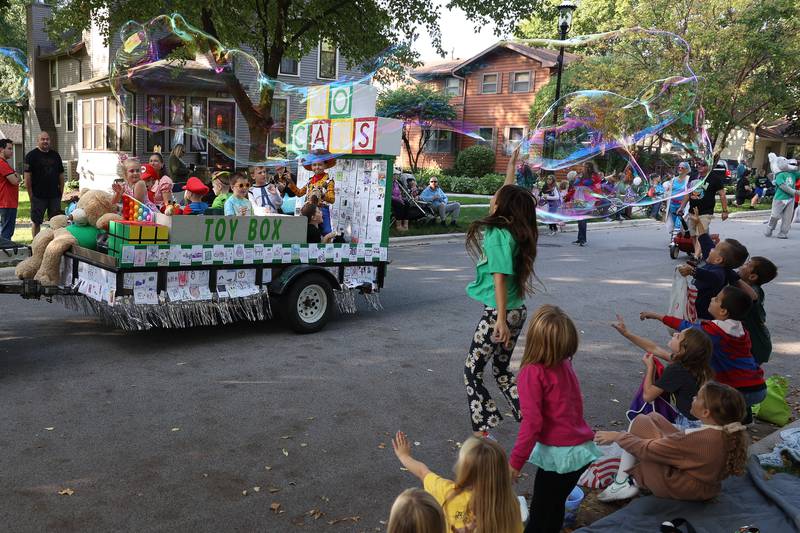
(682, 465)
(553, 434)
(731, 357)
(756, 272)
(689, 356)
(416, 511)
(481, 498)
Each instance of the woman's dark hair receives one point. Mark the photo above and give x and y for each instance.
(159, 156)
(515, 211)
(694, 354)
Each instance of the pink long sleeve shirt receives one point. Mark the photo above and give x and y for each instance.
(552, 410)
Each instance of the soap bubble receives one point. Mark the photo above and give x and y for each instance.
(13, 75)
(631, 112)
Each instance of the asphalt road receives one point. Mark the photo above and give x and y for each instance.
(166, 430)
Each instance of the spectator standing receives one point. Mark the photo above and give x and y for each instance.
(44, 179)
(177, 168)
(434, 195)
(9, 190)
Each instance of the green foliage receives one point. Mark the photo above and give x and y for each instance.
(475, 160)
(12, 28)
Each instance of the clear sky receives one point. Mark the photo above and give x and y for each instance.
(457, 34)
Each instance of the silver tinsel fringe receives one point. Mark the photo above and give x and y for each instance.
(346, 300)
(127, 315)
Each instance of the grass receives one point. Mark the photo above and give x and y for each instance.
(435, 228)
(24, 208)
(466, 200)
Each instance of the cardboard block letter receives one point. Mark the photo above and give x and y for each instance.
(341, 140)
(364, 135)
(341, 101)
(317, 106)
(320, 134)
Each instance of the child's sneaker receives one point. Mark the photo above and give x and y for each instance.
(618, 491)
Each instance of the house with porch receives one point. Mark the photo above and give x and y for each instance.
(70, 97)
(492, 93)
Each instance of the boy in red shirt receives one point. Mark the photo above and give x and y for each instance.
(9, 190)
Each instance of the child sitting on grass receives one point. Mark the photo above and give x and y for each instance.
(756, 272)
(481, 497)
(416, 511)
(239, 204)
(689, 356)
(717, 272)
(731, 358)
(682, 465)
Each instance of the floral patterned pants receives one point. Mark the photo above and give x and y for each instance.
(482, 407)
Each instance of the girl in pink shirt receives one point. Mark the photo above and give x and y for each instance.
(553, 434)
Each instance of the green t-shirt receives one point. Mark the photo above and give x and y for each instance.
(755, 324)
(219, 201)
(784, 177)
(499, 248)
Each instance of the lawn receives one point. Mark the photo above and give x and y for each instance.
(467, 200)
(24, 208)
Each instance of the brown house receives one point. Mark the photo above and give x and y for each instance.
(492, 94)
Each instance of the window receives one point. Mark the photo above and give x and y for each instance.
(86, 124)
(440, 142)
(177, 121)
(54, 74)
(70, 114)
(490, 84)
(289, 67)
(111, 124)
(57, 111)
(99, 123)
(154, 111)
(452, 87)
(326, 61)
(105, 125)
(276, 144)
(488, 137)
(197, 121)
(521, 82)
(513, 137)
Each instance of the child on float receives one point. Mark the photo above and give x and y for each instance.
(131, 183)
(161, 187)
(195, 190)
(481, 497)
(238, 204)
(682, 465)
(756, 272)
(553, 434)
(264, 194)
(503, 244)
(318, 161)
(416, 511)
(688, 355)
(313, 213)
(221, 184)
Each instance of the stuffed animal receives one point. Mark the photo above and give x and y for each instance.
(94, 212)
(786, 175)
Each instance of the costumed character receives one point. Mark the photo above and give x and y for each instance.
(94, 212)
(193, 199)
(319, 185)
(786, 174)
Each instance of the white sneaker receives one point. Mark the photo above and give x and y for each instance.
(768, 232)
(618, 491)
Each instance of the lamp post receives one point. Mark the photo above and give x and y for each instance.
(565, 10)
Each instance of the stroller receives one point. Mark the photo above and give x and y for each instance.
(418, 210)
(682, 239)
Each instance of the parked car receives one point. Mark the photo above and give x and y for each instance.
(728, 168)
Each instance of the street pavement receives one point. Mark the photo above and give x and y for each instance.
(174, 430)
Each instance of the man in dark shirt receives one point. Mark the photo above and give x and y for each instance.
(703, 199)
(44, 180)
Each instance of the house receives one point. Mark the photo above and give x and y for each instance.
(492, 93)
(70, 97)
(14, 132)
(781, 136)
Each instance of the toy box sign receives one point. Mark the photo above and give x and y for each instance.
(202, 229)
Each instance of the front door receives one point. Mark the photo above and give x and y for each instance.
(222, 120)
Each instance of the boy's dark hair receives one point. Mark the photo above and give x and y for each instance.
(735, 301)
(239, 175)
(735, 254)
(764, 269)
(6, 142)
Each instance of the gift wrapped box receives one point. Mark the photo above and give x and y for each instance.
(124, 232)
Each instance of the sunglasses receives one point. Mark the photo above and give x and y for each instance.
(242, 185)
(433, 181)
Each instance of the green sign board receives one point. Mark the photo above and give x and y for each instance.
(209, 229)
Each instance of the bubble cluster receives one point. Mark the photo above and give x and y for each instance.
(632, 113)
(13, 75)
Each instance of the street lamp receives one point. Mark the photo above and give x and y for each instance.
(565, 10)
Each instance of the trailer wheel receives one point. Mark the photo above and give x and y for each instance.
(308, 303)
(674, 251)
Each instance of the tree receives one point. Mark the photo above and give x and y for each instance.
(12, 28)
(744, 52)
(274, 29)
(418, 106)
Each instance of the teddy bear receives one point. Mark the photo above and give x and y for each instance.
(94, 212)
(786, 175)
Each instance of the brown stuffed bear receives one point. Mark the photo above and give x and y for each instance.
(94, 212)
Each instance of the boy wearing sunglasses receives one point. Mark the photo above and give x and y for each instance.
(239, 204)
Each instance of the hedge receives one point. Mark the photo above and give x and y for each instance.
(477, 160)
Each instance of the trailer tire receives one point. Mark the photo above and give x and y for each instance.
(307, 305)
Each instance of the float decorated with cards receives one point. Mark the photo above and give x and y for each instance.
(140, 266)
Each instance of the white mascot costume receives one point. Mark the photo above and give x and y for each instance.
(786, 175)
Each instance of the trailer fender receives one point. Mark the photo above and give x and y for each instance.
(290, 274)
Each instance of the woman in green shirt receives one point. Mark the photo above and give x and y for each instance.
(504, 247)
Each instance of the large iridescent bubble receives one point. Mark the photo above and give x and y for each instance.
(169, 56)
(631, 112)
(13, 75)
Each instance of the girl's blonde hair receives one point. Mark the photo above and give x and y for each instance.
(551, 337)
(416, 511)
(122, 167)
(727, 406)
(482, 468)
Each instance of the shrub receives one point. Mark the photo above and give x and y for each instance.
(489, 183)
(477, 160)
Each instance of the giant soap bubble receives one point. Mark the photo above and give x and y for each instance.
(631, 112)
(13, 75)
